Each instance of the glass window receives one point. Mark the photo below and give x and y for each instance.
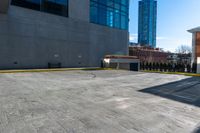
(59, 7)
(112, 13)
(32, 4)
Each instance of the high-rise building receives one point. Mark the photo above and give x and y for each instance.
(147, 20)
(72, 33)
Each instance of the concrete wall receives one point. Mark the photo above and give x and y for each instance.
(31, 39)
(4, 4)
(193, 48)
(82, 15)
(124, 66)
(198, 65)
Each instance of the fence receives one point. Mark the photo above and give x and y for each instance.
(168, 67)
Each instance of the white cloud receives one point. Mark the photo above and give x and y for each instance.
(168, 43)
(172, 43)
(161, 38)
(133, 37)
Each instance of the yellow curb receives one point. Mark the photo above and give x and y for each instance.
(50, 70)
(176, 73)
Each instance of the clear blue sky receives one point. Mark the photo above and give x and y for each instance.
(174, 18)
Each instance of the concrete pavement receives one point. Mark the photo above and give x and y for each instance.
(97, 102)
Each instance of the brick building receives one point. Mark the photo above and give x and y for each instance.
(147, 54)
(196, 47)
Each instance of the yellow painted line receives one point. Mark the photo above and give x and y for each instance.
(50, 70)
(176, 73)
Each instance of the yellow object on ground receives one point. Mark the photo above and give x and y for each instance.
(51, 70)
(178, 73)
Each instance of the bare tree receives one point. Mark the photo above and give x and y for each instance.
(184, 49)
(184, 53)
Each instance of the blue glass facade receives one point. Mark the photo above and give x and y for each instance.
(59, 7)
(147, 23)
(112, 13)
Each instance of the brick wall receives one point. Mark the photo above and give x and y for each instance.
(198, 44)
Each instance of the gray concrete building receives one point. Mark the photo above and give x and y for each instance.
(75, 33)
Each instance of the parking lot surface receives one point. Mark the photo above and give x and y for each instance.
(99, 102)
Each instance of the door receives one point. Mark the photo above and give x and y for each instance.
(134, 66)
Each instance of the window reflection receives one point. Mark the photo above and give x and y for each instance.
(112, 13)
(32, 4)
(59, 7)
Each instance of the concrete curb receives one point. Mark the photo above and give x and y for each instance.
(51, 70)
(175, 73)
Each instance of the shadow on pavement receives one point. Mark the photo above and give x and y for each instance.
(186, 91)
(197, 130)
